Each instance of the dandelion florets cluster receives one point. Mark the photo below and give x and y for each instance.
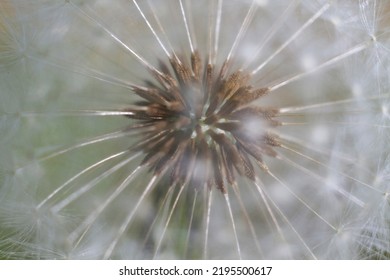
(201, 124)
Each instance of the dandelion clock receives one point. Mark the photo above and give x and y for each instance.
(182, 129)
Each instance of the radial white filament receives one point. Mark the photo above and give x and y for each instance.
(129, 218)
(293, 37)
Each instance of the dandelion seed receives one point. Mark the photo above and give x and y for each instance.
(194, 129)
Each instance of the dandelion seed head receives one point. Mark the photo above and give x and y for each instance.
(207, 118)
(194, 129)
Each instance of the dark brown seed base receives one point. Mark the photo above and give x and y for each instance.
(203, 126)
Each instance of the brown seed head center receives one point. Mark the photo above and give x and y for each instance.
(204, 126)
